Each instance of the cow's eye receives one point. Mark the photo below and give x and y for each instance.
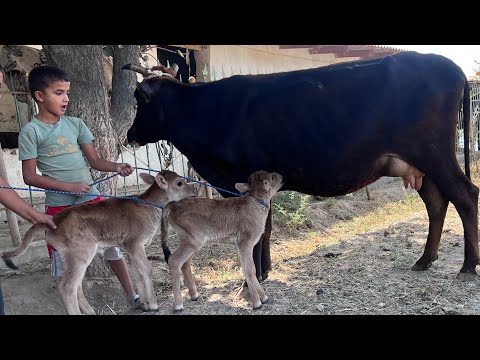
(179, 183)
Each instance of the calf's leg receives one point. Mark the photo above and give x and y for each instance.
(175, 262)
(189, 280)
(257, 294)
(85, 307)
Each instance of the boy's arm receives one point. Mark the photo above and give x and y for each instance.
(30, 177)
(96, 162)
(11, 200)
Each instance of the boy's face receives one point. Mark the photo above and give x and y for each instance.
(54, 98)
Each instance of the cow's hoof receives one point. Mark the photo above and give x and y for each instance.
(178, 311)
(265, 300)
(421, 267)
(466, 276)
(195, 298)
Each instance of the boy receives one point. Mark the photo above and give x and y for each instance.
(12, 201)
(54, 143)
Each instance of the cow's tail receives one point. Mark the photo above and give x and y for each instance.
(466, 127)
(164, 234)
(27, 239)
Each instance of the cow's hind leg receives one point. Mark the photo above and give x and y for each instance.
(261, 251)
(257, 258)
(436, 205)
(266, 259)
(463, 194)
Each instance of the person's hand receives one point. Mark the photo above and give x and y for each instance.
(80, 187)
(124, 169)
(46, 219)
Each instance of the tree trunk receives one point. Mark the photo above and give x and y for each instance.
(89, 101)
(123, 85)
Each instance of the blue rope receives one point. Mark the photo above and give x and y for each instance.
(215, 187)
(83, 194)
(99, 181)
(200, 182)
(130, 197)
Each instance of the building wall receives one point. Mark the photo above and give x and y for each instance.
(226, 60)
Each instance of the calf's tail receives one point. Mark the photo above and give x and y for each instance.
(27, 239)
(164, 234)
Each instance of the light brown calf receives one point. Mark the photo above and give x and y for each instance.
(239, 220)
(130, 224)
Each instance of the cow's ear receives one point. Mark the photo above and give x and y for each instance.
(242, 187)
(161, 182)
(147, 178)
(145, 90)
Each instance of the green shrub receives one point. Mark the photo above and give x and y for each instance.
(289, 208)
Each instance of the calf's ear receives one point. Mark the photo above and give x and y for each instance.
(147, 178)
(242, 187)
(161, 182)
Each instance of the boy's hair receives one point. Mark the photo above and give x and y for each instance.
(42, 76)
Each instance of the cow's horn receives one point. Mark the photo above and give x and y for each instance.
(137, 68)
(174, 67)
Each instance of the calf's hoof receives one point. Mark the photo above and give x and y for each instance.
(256, 307)
(178, 311)
(264, 300)
(195, 298)
(149, 307)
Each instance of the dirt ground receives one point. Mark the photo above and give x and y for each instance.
(368, 273)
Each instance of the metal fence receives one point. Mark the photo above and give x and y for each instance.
(475, 114)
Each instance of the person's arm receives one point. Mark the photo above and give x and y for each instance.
(96, 162)
(11, 200)
(30, 177)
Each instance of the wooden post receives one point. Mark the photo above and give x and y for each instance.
(11, 216)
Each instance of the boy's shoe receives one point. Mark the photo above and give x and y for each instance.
(135, 302)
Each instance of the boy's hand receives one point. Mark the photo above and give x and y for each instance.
(46, 219)
(80, 188)
(124, 169)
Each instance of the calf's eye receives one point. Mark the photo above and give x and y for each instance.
(179, 183)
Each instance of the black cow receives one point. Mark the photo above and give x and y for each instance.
(329, 131)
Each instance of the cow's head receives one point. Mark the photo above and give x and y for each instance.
(148, 122)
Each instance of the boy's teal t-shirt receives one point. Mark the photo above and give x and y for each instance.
(56, 148)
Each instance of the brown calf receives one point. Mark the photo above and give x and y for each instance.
(130, 224)
(239, 220)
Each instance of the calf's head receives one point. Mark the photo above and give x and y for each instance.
(174, 187)
(262, 183)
